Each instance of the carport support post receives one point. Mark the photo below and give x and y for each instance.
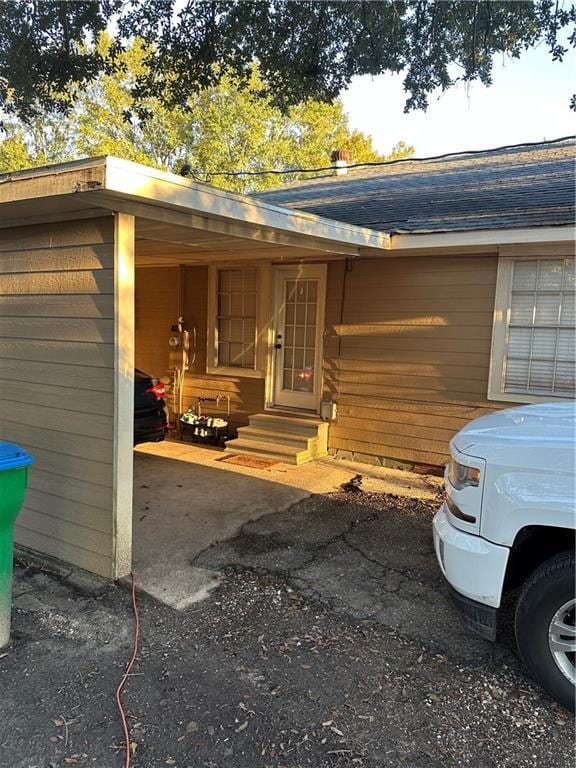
(124, 232)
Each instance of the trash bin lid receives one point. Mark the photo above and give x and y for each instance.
(13, 456)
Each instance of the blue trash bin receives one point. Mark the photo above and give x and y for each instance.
(14, 463)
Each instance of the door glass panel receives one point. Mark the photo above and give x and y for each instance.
(300, 298)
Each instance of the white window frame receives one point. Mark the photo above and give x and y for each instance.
(262, 323)
(502, 303)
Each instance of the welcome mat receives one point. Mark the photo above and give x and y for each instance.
(252, 462)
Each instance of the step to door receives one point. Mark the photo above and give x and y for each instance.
(298, 425)
(268, 451)
(294, 440)
(290, 439)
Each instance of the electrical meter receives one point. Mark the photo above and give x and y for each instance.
(178, 347)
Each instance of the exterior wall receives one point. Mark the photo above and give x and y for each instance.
(57, 365)
(408, 364)
(157, 308)
(406, 350)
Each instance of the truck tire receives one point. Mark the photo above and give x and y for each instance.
(545, 627)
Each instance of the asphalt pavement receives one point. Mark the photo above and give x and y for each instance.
(330, 641)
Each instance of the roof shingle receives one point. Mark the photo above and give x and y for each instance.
(523, 186)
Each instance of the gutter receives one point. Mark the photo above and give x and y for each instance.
(482, 237)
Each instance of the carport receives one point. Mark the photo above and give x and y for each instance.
(71, 238)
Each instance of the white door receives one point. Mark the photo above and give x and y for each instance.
(298, 331)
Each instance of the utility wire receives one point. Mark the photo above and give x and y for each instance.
(187, 170)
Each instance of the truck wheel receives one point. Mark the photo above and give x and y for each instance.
(546, 627)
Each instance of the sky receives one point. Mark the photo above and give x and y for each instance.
(528, 101)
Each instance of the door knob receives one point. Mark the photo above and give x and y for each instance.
(277, 346)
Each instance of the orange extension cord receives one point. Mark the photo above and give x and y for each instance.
(128, 746)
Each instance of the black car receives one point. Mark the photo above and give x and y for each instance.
(150, 411)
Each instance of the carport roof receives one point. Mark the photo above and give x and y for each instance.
(197, 218)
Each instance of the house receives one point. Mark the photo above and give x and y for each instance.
(367, 314)
(475, 313)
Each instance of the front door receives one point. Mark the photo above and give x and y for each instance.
(298, 331)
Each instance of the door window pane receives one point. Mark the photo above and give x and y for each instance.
(300, 298)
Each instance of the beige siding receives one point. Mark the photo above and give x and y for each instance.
(155, 312)
(157, 308)
(57, 378)
(246, 395)
(407, 354)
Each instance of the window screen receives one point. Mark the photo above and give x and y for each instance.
(236, 318)
(539, 356)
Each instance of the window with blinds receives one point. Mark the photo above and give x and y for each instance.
(236, 318)
(539, 354)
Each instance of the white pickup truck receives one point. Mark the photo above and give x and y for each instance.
(508, 521)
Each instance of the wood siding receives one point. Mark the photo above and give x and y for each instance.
(157, 308)
(155, 312)
(407, 353)
(57, 372)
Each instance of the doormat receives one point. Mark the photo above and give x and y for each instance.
(252, 462)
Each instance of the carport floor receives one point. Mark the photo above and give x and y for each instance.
(186, 499)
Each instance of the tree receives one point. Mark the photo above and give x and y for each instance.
(305, 49)
(231, 126)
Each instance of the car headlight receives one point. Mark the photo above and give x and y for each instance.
(461, 476)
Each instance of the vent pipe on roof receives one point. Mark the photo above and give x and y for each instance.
(340, 159)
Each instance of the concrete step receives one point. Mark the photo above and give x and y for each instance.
(290, 439)
(293, 424)
(268, 450)
(285, 438)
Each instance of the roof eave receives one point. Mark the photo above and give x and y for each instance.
(482, 237)
(142, 183)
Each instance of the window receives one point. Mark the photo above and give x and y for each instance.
(533, 340)
(235, 338)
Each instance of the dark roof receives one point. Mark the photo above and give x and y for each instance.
(521, 186)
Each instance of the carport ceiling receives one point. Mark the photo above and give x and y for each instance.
(161, 244)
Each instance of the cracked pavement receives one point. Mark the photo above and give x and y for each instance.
(369, 556)
(329, 643)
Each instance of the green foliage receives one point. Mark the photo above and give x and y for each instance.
(229, 126)
(305, 49)
(234, 127)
